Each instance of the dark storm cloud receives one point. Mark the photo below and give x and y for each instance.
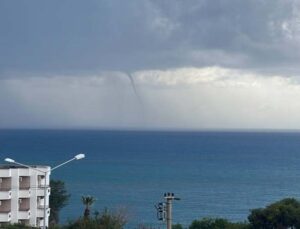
(73, 36)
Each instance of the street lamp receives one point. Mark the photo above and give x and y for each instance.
(77, 157)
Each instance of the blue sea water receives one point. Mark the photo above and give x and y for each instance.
(216, 174)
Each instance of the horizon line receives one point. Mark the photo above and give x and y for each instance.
(116, 129)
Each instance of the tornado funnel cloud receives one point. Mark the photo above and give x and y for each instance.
(137, 95)
(134, 88)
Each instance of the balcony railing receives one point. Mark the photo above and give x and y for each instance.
(40, 212)
(41, 192)
(23, 215)
(41, 206)
(5, 172)
(42, 186)
(5, 195)
(5, 216)
(24, 193)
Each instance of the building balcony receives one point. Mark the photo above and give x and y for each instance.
(41, 206)
(24, 172)
(5, 183)
(5, 216)
(5, 173)
(41, 181)
(24, 193)
(40, 191)
(5, 206)
(40, 222)
(23, 214)
(24, 183)
(24, 222)
(5, 195)
(24, 204)
(40, 212)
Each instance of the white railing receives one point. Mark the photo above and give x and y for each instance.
(24, 172)
(24, 214)
(5, 195)
(5, 173)
(41, 206)
(5, 216)
(23, 193)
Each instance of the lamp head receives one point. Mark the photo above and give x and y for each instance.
(79, 156)
(9, 160)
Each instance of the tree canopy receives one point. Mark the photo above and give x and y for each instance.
(216, 223)
(281, 215)
(58, 199)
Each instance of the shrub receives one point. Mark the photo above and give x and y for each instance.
(105, 220)
(217, 223)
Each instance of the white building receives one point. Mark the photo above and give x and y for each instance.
(22, 195)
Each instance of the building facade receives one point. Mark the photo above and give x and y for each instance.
(22, 193)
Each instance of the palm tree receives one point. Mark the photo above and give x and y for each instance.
(88, 202)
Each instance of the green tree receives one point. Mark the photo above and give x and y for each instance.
(88, 202)
(218, 223)
(58, 199)
(281, 215)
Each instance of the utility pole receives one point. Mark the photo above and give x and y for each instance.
(164, 210)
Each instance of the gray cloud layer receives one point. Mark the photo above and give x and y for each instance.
(189, 98)
(71, 36)
(193, 64)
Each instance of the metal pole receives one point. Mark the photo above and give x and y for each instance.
(169, 197)
(169, 213)
(45, 202)
(63, 163)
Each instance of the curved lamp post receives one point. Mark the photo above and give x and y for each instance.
(77, 157)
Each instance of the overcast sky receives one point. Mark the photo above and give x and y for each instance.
(193, 64)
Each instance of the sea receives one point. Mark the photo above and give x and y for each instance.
(214, 173)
